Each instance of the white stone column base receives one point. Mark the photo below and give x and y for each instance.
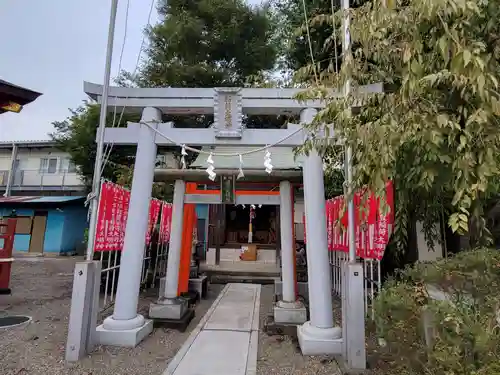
(290, 313)
(124, 333)
(166, 308)
(319, 341)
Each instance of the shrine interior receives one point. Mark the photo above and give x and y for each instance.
(263, 225)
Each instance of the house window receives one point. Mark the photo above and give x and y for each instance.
(68, 166)
(48, 165)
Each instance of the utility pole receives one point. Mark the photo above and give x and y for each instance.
(96, 182)
(348, 154)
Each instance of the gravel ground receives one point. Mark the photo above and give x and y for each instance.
(280, 355)
(41, 288)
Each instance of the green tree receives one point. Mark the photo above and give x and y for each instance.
(77, 134)
(196, 44)
(207, 43)
(319, 34)
(436, 132)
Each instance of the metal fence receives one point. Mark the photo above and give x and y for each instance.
(154, 266)
(337, 261)
(373, 283)
(372, 278)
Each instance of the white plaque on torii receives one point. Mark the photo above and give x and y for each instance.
(228, 113)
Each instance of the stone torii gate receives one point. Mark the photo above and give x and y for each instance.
(228, 105)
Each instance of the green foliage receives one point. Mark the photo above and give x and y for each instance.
(435, 132)
(160, 190)
(207, 43)
(466, 329)
(334, 183)
(85, 236)
(77, 134)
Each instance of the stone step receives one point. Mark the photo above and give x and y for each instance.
(217, 278)
(241, 272)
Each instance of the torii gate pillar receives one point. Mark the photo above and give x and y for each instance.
(289, 310)
(126, 327)
(169, 306)
(319, 335)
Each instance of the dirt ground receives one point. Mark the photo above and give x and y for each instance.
(280, 355)
(41, 288)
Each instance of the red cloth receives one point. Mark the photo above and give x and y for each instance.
(372, 228)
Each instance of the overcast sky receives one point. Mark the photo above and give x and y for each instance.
(52, 46)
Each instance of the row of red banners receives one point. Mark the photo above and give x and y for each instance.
(373, 227)
(112, 218)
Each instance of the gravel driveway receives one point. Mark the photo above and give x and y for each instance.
(41, 288)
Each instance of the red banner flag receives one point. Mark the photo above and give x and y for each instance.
(329, 224)
(112, 223)
(384, 224)
(113, 214)
(100, 234)
(165, 222)
(102, 241)
(125, 200)
(112, 217)
(372, 227)
(118, 214)
(154, 212)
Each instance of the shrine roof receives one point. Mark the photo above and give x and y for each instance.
(14, 97)
(282, 158)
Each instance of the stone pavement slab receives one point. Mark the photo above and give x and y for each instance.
(226, 339)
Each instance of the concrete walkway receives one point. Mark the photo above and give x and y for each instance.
(226, 339)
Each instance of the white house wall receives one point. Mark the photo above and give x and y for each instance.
(29, 175)
(5, 160)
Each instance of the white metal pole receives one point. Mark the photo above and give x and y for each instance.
(96, 181)
(348, 155)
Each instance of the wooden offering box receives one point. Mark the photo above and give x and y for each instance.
(249, 252)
